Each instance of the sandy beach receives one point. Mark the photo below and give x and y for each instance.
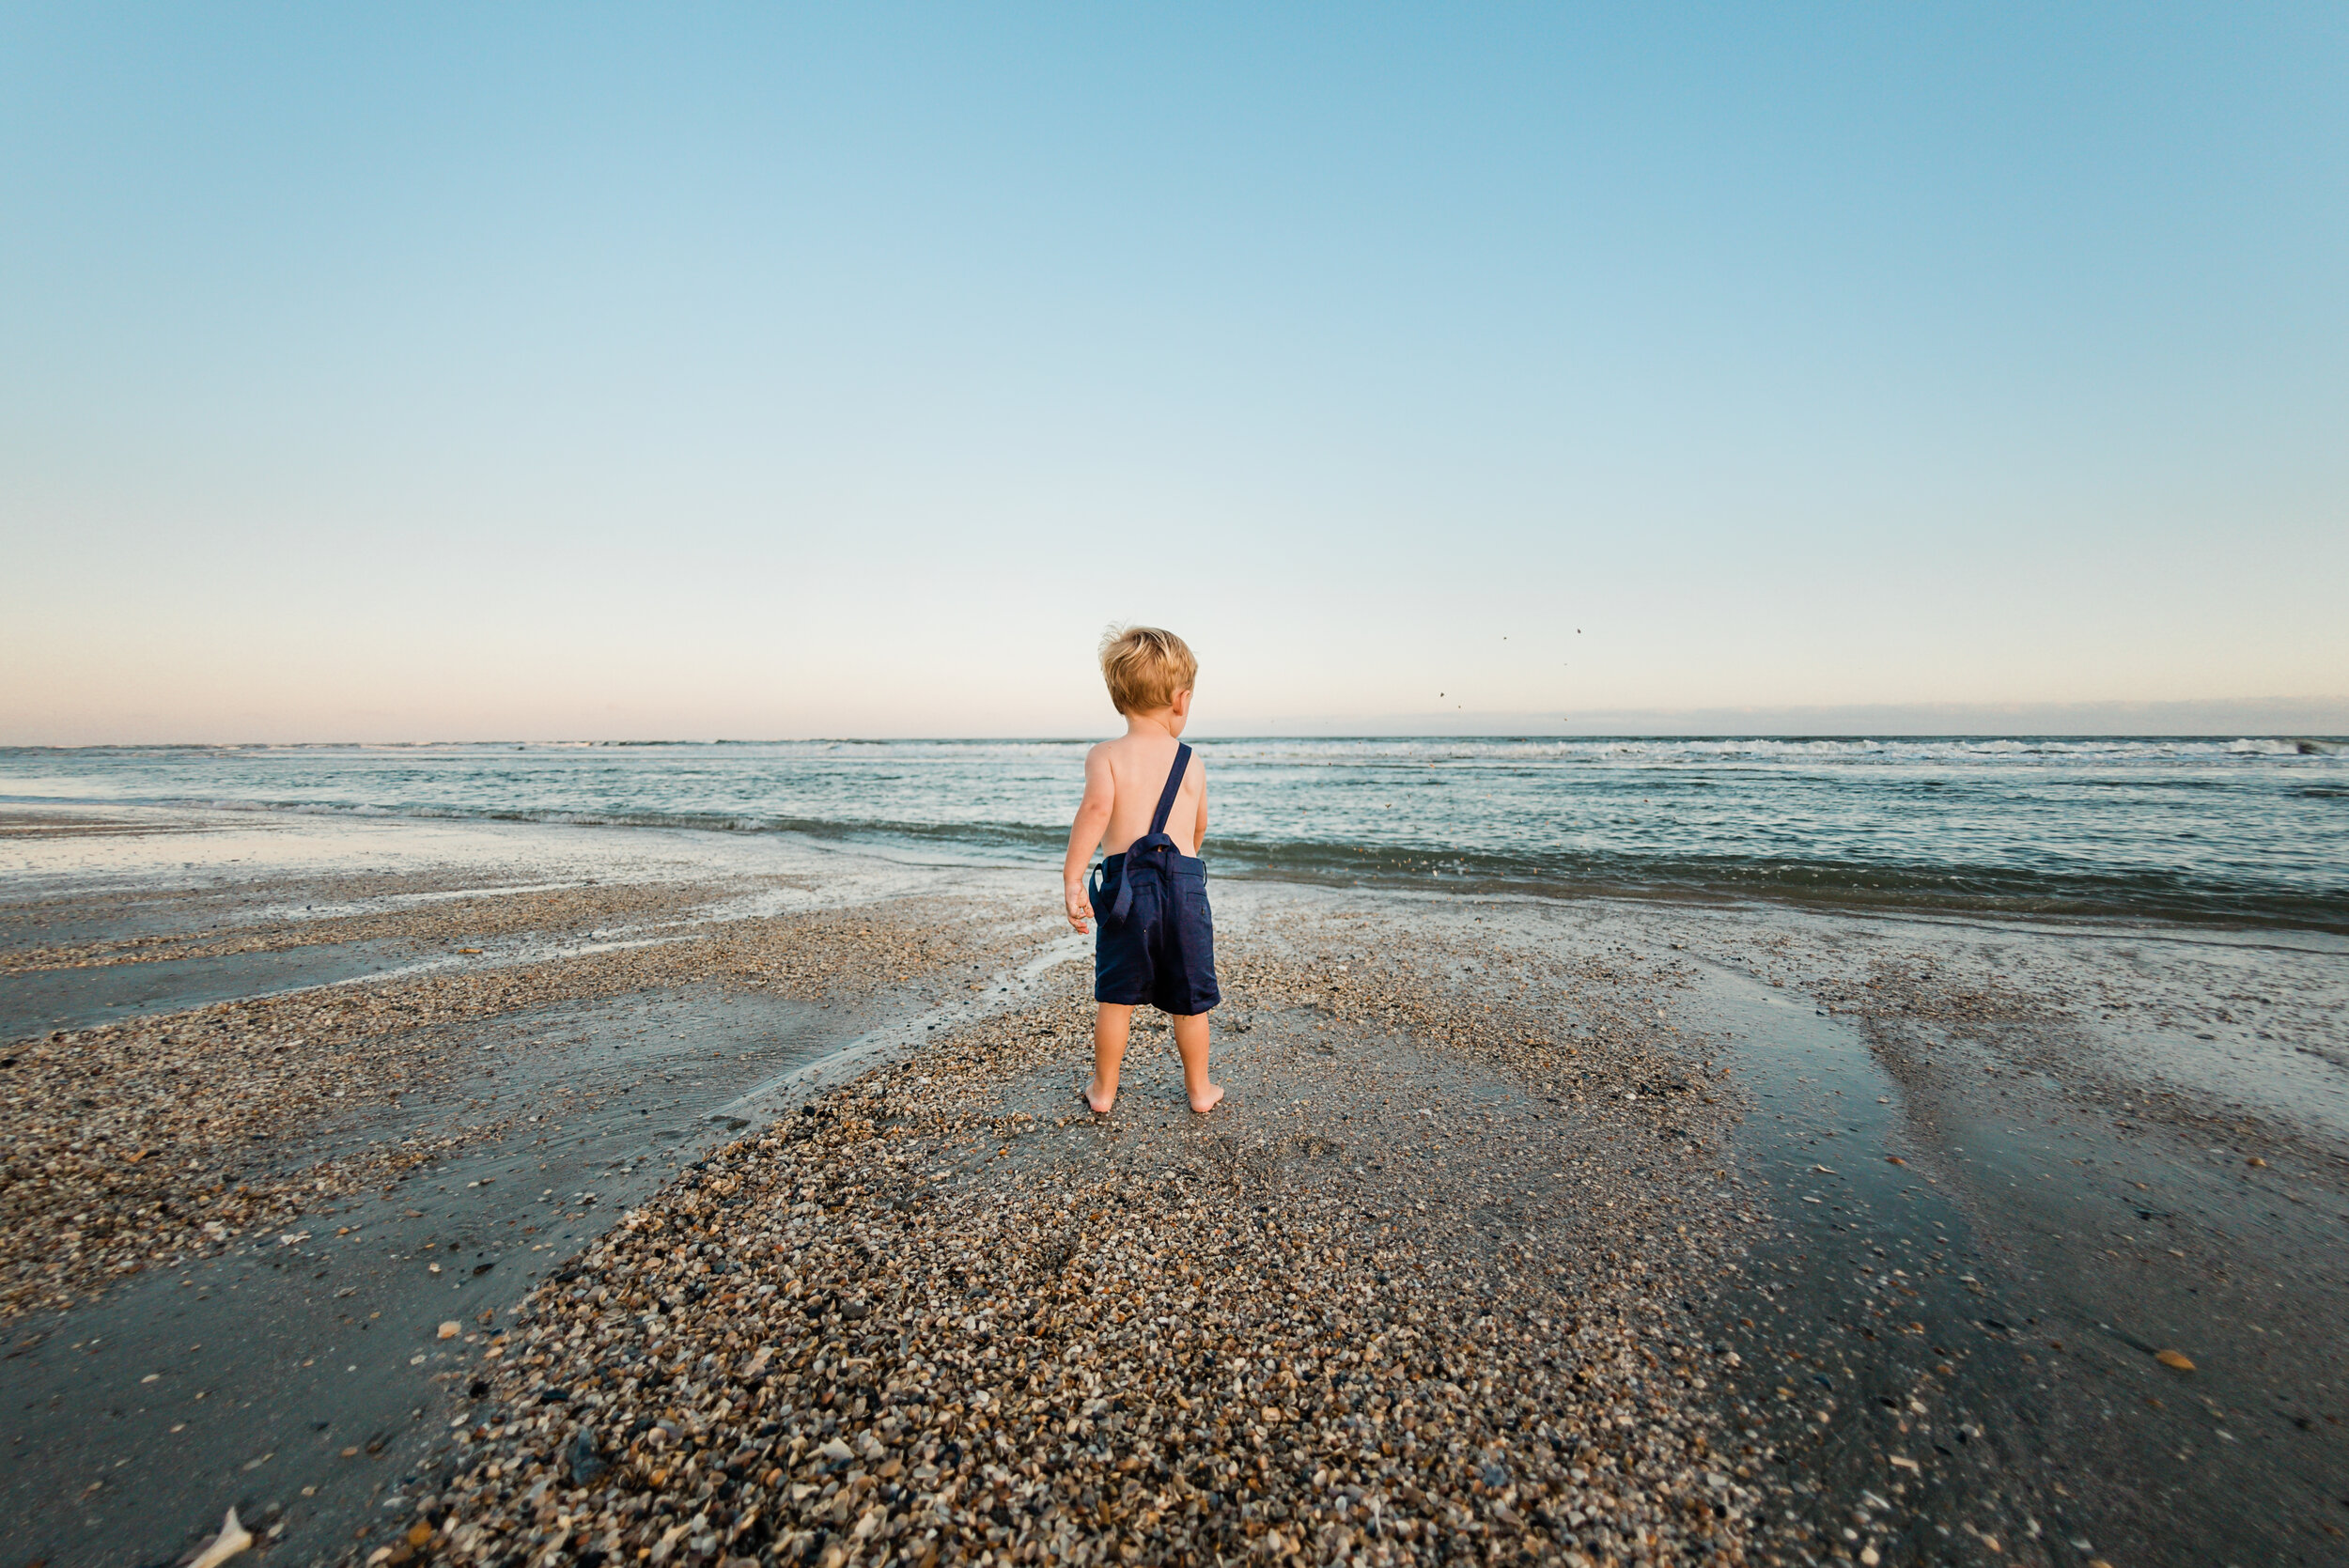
(481, 1194)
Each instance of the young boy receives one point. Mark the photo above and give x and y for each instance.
(1147, 794)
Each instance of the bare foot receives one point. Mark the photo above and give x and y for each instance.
(1207, 1098)
(1100, 1103)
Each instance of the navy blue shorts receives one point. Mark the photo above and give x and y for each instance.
(1163, 952)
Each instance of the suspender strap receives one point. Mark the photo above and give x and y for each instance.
(1174, 786)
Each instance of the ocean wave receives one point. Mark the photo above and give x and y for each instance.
(1009, 833)
(2080, 892)
(2050, 889)
(2201, 827)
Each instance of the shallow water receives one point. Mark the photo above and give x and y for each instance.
(242, 1378)
(33, 1001)
(2249, 830)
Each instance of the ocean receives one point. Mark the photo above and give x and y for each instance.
(2245, 832)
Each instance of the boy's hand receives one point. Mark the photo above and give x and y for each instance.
(1080, 905)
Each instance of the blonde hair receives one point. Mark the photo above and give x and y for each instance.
(1145, 667)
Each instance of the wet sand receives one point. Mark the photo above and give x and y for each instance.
(2003, 1186)
(298, 1365)
(1540, 1229)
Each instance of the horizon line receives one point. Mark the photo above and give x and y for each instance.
(2340, 737)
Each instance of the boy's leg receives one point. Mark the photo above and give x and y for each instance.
(1191, 1042)
(1110, 1028)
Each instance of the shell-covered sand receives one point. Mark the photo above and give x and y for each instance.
(1469, 1262)
(1420, 1287)
(1416, 1291)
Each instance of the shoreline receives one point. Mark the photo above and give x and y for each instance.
(1471, 985)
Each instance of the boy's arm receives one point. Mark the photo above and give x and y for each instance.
(1199, 829)
(1084, 836)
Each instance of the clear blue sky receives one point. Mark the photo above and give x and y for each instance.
(414, 371)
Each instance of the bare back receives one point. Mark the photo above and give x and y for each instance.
(1138, 766)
